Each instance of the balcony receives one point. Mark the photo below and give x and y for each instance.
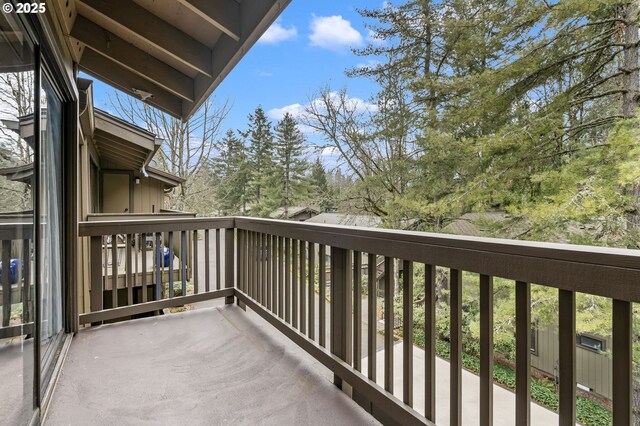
(305, 314)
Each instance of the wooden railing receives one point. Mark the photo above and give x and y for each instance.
(154, 264)
(16, 280)
(279, 266)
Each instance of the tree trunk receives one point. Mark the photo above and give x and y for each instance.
(631, 98)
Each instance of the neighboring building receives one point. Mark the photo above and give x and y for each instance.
(297, 213)
(347, 219)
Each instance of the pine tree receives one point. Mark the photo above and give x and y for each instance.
(290, 161)
(323, 195)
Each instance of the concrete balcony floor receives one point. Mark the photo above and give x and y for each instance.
(216, 365)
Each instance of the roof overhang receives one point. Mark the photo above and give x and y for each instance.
(170, 181)
(171, 54)
(122, 143)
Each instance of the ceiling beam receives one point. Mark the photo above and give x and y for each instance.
(256, 17)
(144, 25)
(121, 78)
(222, 14)
(132, 58)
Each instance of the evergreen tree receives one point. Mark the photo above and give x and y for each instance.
(323, 196)
(232, 172)
(260, 153)
(290, 161)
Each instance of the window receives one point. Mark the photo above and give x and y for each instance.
(534, 340)
(591, 342)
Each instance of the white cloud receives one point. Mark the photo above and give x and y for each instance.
(370, 63)
(277, 33)
(329, 151)
(297, 111)
(261, 73)
(334, 33)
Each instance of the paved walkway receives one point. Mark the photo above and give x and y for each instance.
(503, 399)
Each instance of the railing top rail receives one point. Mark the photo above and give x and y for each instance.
(627, 258)
(109, 227)
(601, 271)
(16, 230)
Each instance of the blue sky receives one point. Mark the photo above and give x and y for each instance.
(308, 47)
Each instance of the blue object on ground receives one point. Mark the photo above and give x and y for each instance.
(14, 265)
(165, 258)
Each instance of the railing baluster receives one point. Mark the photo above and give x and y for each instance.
(247, 239)
(98, 280)
(567, 357)
(388, 324)
(218, 264)
(170, 264)
(114, 271)
(357, 310)
(287, 280)
(430, 342)
(622, 363)
(259, 295)
(456, 347)
(229, 240)
(207, 265)
(159, 256)
(407, 332)
(196, 288)
(183, 261)
(6, 283)
(240, 260)
(294, 283)
(265, 269)
(322, 299)
(281, 277)
(486, 350)
(250, 266)
(523, 353)
(372, 320)
(143, 249)
(127, 265)
(269, 259)
(312, 291)
(303, 287)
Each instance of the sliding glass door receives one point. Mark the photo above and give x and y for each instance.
(50, 230)
(17, 250)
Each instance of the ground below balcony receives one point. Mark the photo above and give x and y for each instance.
(217, 365)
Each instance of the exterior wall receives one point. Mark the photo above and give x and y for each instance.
(148, 196)
(593, 369)
(116, 195)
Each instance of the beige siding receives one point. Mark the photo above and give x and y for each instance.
(593, 369)
(148, 195)
(115, 192)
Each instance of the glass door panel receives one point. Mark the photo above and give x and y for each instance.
(16, 223)
(50, 197)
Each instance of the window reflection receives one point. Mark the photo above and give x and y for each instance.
(16, 223)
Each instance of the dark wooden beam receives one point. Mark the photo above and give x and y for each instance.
(146, 26)
(132, 58)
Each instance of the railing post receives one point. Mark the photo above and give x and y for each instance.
(341, 299)
(95, 290)
(229, 253)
